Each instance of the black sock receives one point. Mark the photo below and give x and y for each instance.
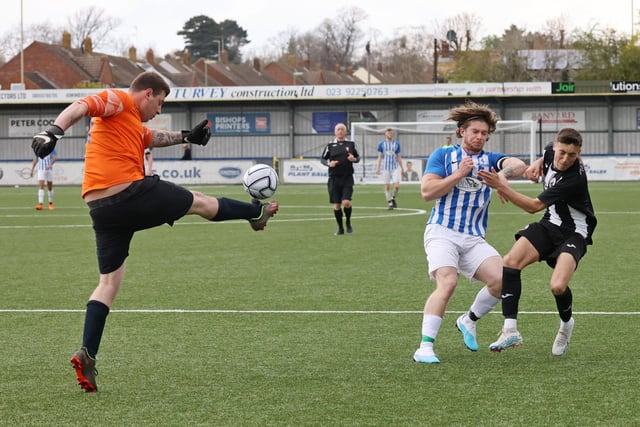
(511, 290)
(338, 215)
(473, 316)
(564, 302)
(235, 209)
(94, 321)
(347, 214)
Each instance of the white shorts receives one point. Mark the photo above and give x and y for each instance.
(448, 248)
(389, 176)
(45, 175)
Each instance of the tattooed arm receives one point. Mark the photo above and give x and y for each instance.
(165, 138)
(512, 167)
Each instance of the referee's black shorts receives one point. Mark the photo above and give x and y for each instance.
(144, 204)
(550, 242)
(340, 188)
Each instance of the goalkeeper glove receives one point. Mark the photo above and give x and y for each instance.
(44, 142)
(199, 135)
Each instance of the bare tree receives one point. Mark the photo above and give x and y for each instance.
(340, 36)
(44, 32)
(467, 28)
(94, 23)
(407, 56)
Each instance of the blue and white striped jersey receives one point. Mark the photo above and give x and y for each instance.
(389, 150)
(43, 163)
(465, 208)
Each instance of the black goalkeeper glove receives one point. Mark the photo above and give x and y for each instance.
(44, 142)
(199, 135)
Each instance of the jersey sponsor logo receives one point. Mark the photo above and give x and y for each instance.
(469, 184)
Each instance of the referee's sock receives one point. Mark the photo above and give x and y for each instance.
(338, 215)
(347, 214)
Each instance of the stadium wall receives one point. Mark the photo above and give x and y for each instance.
(252, 123)
(291, 171)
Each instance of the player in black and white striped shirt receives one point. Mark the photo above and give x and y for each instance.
(560, 238)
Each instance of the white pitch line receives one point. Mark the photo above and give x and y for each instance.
(407, 212)
(183, 311)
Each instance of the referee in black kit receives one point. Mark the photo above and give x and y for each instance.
(340, 155)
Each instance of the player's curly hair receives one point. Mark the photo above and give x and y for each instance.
(472, 111)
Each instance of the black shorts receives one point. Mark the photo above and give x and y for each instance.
(550, 242)
(340, 188)
(144, 204)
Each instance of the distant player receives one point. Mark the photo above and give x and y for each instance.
(390, 165)
(45, 174)
(560, 238)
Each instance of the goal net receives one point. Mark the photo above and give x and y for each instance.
(419, 139)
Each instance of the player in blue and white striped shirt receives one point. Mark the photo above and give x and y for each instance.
(454, 239)
(45, 174)
(390, 165)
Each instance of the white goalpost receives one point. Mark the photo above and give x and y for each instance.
(420, 139)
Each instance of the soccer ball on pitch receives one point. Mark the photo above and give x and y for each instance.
(260, 181)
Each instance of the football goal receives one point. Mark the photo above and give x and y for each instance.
(419, 139)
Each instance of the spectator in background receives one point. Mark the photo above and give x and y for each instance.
(186, 155)
(148, 162)
(409, 174)
(447, 142)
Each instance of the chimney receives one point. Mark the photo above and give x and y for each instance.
(306, 64)
(337, 68)
(66, 40)
(292, 60)
(150, 57)
(225, 57)
(133, 54)
(256, 64)
(186, 58)
(350, 70)
(86, 45)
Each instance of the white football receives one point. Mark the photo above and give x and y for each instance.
(260, 181)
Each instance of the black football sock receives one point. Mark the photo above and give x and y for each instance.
(338, 215)
(235, 209)
(511, 290)
(347, 214)
(564, 303)
(94, 322)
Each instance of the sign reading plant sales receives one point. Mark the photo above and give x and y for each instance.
(240, 123)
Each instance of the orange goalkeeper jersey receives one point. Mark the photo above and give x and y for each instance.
(116, 143)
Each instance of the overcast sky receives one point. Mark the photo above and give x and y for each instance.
(153, 24)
